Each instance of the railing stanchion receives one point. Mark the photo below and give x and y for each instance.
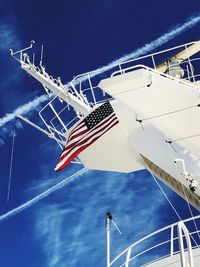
(128, 257)
(172, 241)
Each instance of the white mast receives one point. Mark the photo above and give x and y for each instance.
(74, 99)
(108, 219)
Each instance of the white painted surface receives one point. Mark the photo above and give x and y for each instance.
(163, 96)
(174, 261)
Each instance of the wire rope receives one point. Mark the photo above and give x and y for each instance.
(11, 167)
(186, 198)
(174, 209)
(161, 189)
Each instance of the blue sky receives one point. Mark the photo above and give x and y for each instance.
(66, 228)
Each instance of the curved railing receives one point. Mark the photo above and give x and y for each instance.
(150, 243)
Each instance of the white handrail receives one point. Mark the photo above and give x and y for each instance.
(134, 59)
(182, 228)
(159, 73)
(152, 234)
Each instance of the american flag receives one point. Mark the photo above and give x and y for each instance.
(87, 132)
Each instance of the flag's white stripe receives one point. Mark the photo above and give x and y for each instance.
(78, 147)
(91, 132)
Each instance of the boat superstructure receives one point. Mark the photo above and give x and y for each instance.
(156, 99)
(175, 245)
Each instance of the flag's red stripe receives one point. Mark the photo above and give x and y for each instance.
(68, 160)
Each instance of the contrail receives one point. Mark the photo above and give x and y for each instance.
(192, 21)
(42, 195)
(23, 109)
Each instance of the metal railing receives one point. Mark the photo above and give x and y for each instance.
(168, 247)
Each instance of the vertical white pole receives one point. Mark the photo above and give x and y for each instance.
(107, 223)
(128, 257)
(172, 241)
(184, 263)
(108, 240)
(41, 56)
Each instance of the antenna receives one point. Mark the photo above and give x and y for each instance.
(33, 58)
(49, 83)
(116, 227)
(183, 166)
(41, 56)
(20, 52)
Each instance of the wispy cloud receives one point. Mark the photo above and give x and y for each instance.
(42, 195)
(8, 36)
(53, 247)
(9, 32)
(84, 218)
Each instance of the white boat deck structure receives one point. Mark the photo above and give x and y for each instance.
(175, 245)
(158, 108)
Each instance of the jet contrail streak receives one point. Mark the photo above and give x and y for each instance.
(23, 109)
(192, 21)
(43, 195)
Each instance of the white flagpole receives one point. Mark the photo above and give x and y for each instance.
(108, 218)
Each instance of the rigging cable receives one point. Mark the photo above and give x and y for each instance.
(11, 165)
(186, 198)
(172, 151)
(161, 189)
(155, 179)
